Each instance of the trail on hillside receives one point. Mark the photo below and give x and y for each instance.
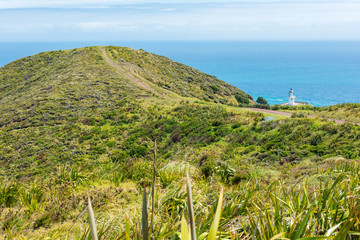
(309, 116)
(141, 83)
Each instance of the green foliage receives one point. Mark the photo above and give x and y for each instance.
(208, 169)
(224, 172)
(138, 150)
(344, 111)
(242, 98)
(316, 140)
(239, 176)
(119, 156)
(167, 177)
(118, 177)
(215, 88)
(215, 224)
(32, 198)
(261, 100)
(8, 193)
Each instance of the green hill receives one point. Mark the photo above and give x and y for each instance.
(80, 80)
(83, 123)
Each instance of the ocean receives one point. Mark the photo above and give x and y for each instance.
(321, 73)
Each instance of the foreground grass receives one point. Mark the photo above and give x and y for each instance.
(305, 200)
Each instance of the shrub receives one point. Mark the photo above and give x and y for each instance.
(261, 100)
(119, 155)
(118, 177)
(138, 150)
(240, 175)
(242, 98)
(208, 167)
(32, 198)
(224, 171)
(8, 193)
(214, 88)
(100, 149)
(315, 140)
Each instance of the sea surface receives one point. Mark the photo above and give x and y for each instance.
(321, 73)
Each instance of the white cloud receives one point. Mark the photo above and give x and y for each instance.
(281, 20)
(15, 4)
(105, 26)
(25, 28)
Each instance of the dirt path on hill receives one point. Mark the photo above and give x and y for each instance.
(289, 114)
(128, 75)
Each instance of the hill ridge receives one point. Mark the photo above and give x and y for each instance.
(141, 83)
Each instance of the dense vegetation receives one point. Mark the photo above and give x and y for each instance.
(84, 130)
(344, 111)
(261, 100)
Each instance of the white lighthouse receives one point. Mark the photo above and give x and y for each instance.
(291, 98)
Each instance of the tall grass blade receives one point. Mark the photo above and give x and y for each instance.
(332, 230)
(315, 238)
(184, 229)
(278, 236)
(190, 207)
(327, 192)
(304, 222)
(345, 229)
(145, 227)
(257, 223)
(215, 224)
(92, 221)
(153, 193)
(127, 229)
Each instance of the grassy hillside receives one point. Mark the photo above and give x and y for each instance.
(174, 76)
(345, 111)
(74, 125)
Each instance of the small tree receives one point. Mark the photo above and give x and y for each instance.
(242, 98)
(261, 100)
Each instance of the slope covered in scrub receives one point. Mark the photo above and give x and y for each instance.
(83, 123)
(344, 111)
(179, 78)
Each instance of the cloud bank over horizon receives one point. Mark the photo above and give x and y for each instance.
(95, 20)
(16, 4)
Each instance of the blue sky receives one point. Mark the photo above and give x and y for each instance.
(213, 20)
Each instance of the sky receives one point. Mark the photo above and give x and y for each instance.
(179, 20)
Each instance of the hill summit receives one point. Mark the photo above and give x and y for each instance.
(93, 77)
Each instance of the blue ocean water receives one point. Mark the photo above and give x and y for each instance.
(321, 73)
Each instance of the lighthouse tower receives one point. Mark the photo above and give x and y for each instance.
(291, 98)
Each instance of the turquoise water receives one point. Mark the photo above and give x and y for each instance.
(321, 73)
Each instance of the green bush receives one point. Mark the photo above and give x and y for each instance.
(240, 175)
(316, 140)
(242, 98)
(8, 193)
(214, 88)
(236, 125)
(138, 150)
(119, 155)
(261, 100)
